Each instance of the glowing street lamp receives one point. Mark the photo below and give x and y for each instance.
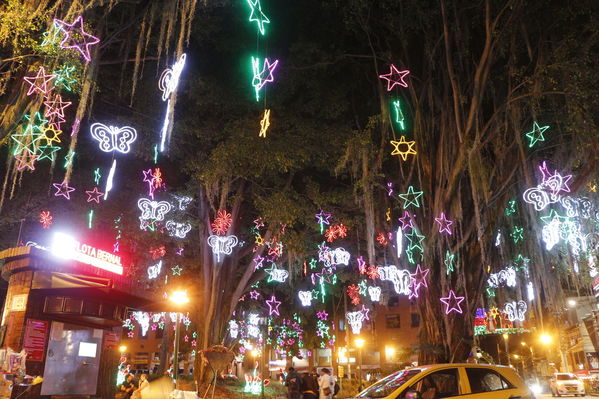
(178, 298)
(122, 349)
(545, 339)
(359, 343)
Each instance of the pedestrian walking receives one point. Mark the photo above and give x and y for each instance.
(326, 384)
(310, 385)
(293, 382)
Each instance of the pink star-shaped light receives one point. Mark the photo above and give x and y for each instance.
(365, 312)
(56, 107)
(273, 306)
(395, 77)
(406, 221)
(322, 315)
(26, 163)
(254, 294)
(115, 247)
(323, 218)
(413, 289)
(444, 224)
(419, 277)
(39, 83)
(154, 326)
(55, 121)
(63, 189)
(259, 223)
(130, 334)
(362, 267)
(69, 41)
(452, 302)
(94, 195)
(186, 338)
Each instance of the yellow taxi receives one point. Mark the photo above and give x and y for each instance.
(466, 380)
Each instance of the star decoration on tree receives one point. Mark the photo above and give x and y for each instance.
(51, 134)
(419, 277)
(365, 311)
(452, 302)
(323, 218)
(26, 161)
(322, 315)
(63, 189)
(411, 197)
(536, 134)
(130, 334)
(408, 148)
(94, 195)
(449, 259)
(521, 262)
(40, 83)
(406, 220)
(68, 159)
(56, 107)
(510, 208)
(412, 290)
(47, 152)
(76, 38)
(264, 123)
(64, 78)
(415, 240)
(254, 294)
(273, 306)
(27, 141)
(256, 15)
(517, 234)
(399, 117)
(176, 270)
(395, 77)
(444, 224)
(264, 75)
(553, 217)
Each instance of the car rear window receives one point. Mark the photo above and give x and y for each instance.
(486, 380)
(565, 377)
(388, 384)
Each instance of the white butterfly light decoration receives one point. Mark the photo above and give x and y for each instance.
(113, 138)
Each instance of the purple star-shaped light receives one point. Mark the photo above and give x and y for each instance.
(413, 289)
(69, 41)
(365, 312)
(322, 315)
(419, 277)
(94, 195)
(273, 306)
(39, 83)
(444, 224)
(63, 189)
(452, 302)
(323, 218)
(395, 77)
(254, 294)
(406, 221)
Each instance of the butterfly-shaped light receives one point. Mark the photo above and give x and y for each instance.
(222, 245)
(169, 80)
(515, 311)
(153, 210)
(400, 278)
(305, 297)
(113, 138)
(176, 229)
(355, 320)
(154, 271)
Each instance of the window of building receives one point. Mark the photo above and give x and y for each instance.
(485, 380)
(393, 301)
(415, 320)
(393, 321)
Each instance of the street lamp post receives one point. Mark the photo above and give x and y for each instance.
(359, 342)
(532, 357)
(179, 298)
(507, 352)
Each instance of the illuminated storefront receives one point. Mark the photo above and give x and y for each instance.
(65, 305)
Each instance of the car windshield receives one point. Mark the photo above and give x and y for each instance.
(384, 387)
(565, 377)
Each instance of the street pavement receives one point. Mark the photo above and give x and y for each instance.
(548, 395)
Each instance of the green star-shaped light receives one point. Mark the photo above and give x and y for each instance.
(553, 217)
(410, 255)
(511, 208)
(27, 141)
(517, 234)
(363, 287)
(411, 197)
(536, 134)
(68, 159)
(521, 262)
(97, 175)
(415, 240)
(64, 78)
(313, 263)
(47, 152)
(257, 15)
(490, 292)
(449, 259)
(399, 118)
(176, 270)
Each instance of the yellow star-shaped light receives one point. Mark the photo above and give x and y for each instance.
(51, 134)
(592, 187)
(264, 123)
(494, 312)
(404, 154)
(259, 240)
